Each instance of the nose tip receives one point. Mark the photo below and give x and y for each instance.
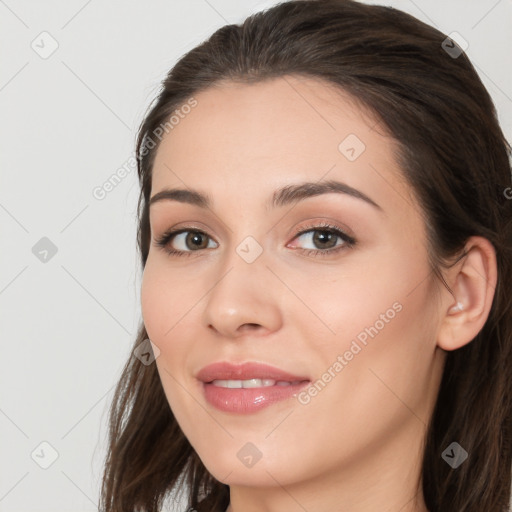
(244, 300)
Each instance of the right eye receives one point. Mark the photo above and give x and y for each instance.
(179, 242)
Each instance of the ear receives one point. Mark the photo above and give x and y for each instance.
(473, 281)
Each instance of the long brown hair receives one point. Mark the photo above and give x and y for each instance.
(455, 157)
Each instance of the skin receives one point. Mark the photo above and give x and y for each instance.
(357, 445)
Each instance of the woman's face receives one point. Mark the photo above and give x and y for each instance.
(355, 315)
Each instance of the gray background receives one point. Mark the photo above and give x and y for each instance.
(68, 123)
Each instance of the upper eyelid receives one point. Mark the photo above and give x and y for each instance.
(339, 231)
(173, 233)
(314, 227)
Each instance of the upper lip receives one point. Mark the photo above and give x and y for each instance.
(224, 370)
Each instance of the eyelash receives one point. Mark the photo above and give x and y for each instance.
(349, 241)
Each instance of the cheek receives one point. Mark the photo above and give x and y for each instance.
(388, 349)
(164, 312)
(355, 301)
(381, 317)
(166, 299)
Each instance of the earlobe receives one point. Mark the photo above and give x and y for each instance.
(473, 281)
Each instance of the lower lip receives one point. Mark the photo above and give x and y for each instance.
(248, 400)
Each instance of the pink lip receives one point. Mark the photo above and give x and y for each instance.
(247, 400)
(245, 371)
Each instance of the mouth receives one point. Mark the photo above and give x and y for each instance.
(249, 387)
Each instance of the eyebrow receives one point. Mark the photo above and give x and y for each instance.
(281, 197)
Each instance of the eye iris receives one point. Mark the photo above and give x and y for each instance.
(320, 237)
(195, 239)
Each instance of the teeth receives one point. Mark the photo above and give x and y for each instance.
(251, 383)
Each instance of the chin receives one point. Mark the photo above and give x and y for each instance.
(230, 468)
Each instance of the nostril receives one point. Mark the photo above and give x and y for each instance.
(249, 327)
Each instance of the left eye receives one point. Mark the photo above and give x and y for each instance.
(325, 239)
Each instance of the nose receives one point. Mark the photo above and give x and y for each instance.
(245, 298)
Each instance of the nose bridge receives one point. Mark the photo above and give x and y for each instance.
(241, 294)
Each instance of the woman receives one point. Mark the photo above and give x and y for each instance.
(326, 236)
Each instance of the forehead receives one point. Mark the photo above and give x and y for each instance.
(256, 137)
